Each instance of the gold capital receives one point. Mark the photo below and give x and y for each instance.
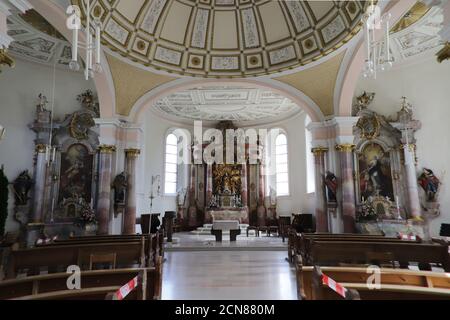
(319, 151)
(348, 147)
(132, 153)
(106, 149)
(41, 148)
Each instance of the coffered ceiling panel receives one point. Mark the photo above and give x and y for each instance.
(225, 38)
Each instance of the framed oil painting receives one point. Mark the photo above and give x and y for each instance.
(375, 175)
(76, 174)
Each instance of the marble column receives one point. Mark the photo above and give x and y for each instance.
(192, 212)
(129, 221)
(320, 201)
(244, 190)
(411, 183)
(209, 191)
(348, 187)
(209, 183)
(39, 184)
(104, 188)
(261, 211)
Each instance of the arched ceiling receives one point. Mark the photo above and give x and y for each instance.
(225, 38)
(242, 105)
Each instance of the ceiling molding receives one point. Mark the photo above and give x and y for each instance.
(318, 83)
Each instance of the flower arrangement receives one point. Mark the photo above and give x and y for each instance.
(367, 213)
(87, 216)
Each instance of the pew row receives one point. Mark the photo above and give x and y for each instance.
(333, 253)
(95, 285)
(395, 284)
(117, 251)
(299, 244)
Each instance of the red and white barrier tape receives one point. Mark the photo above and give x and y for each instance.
(336, 287)
(407, 237)
(123, 292)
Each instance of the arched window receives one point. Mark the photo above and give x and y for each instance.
(170, 177)
(310, 176)
(282, 172)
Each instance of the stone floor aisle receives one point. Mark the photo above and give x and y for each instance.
(228, 275)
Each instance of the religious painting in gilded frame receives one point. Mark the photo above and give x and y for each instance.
(375, 175)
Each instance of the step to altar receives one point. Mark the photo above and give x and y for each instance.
(206, 229)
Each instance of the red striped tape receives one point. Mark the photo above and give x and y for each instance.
(336, 287)
(123, 292)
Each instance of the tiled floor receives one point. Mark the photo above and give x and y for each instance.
(188, 241)
(228, 275)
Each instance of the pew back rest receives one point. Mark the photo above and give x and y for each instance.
(406, 283)
(54, 286)
(127, 254)
(331, 252)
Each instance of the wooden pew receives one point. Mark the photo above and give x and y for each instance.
(128, 253)
(94, 285)
(303, 241)
(356, 252)
(394, 283)
(153, 251)
(299, 243)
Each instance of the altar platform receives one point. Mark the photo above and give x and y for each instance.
(191, 241)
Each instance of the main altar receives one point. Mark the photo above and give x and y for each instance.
(229, 191)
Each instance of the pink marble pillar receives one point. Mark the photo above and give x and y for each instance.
(209, 183)
(244, 190)
(39, 186)
(129, 221)
(192, 212)
(320, 201)
(261, 211)
(348, 187)
(104, 188)
(415, 211)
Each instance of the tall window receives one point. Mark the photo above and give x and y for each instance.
(170, 177)
(282, 172)
(310, 176)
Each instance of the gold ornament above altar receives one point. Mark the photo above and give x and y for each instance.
(227, 179)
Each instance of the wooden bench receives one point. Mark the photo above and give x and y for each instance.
(394, 283)
(332, 253)
(59, 257)
(303, 241)
(299, 244)
(94, 285)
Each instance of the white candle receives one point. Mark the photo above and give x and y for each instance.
(388, 54)
(75, 45)
(97, 46)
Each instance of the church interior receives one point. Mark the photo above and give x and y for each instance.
(224, 150)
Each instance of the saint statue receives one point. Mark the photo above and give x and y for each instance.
(430, 184)
(331, 184)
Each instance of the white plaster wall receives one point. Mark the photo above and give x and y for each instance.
(19, 89)
(427, 87)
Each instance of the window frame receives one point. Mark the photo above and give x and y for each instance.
(287, 155)
(171, 163)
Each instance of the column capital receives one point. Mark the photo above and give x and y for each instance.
(347, 147)
(41, 148)
(109, 149)
(132, 153)
(319, 151)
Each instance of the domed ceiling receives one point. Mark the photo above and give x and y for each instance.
(226, 38)
(218, 103)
